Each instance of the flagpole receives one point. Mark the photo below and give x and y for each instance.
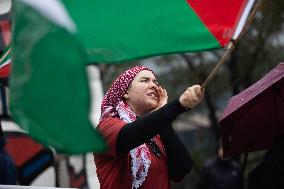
(231, 46)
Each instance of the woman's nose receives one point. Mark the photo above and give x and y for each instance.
(154, 85)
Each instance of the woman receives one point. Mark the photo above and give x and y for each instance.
(144, 151)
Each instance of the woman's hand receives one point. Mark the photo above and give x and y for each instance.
(191, 96)
(163, 97)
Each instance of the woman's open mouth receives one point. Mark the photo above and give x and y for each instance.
(153, 95)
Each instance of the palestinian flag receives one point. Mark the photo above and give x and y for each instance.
(49, 88)
(53, 41)
(114, 31)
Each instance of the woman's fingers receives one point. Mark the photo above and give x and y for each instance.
(163, 97)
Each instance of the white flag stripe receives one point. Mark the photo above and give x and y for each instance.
(243, 19)
(55, 11)
(7, 53)
(5, 63)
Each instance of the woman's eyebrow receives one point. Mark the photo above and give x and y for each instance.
(144, 77)
(148, 78)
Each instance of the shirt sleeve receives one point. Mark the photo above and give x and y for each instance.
(109, 129)
(146, 127)
(179, 158)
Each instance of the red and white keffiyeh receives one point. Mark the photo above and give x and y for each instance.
(113, 106)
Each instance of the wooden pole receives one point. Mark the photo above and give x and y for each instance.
(231, 46)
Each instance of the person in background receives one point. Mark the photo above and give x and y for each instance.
(8, 173)
(144, 150)
(269, 174)
(220, 173)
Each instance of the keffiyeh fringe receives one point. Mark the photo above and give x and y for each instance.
(140, 156)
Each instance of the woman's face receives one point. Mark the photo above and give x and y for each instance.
(142, 95)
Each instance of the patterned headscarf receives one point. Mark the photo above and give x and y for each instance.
(114, 106)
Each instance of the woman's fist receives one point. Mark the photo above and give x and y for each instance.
(191, 96)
